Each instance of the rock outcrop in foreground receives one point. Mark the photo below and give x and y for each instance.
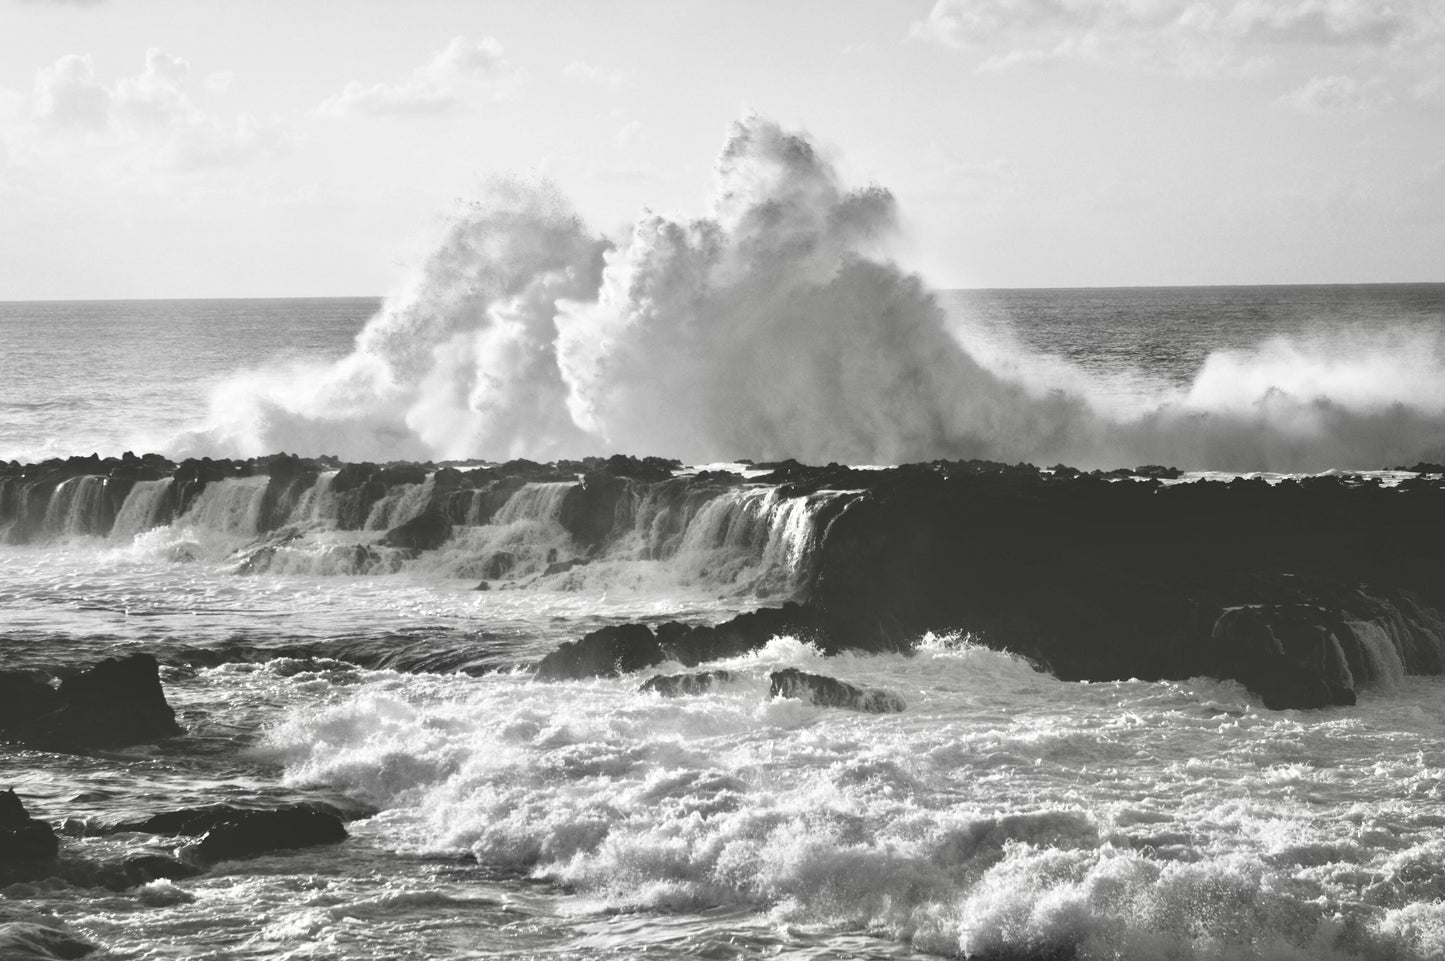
(116, 702)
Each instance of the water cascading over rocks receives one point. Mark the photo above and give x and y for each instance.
(1305, 590)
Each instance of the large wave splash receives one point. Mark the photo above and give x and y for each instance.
(774, 327)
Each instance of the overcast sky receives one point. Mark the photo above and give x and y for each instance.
(173, 148)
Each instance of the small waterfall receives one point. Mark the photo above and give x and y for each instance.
(318, 504)
(400, 505)
(142, 510)
(77, 508)
(534, 502)
(1382, 654)
(230, 506)
(755, 537)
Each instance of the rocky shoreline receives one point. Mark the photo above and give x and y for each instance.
(1300, 589)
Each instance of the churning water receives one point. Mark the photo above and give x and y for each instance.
(1004, 814)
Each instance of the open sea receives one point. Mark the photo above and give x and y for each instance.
(1004, 815)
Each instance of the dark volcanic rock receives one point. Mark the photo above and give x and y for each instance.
(255, 832)
(193, 822)
(631, 647)
(498, 565)
(116, 702)
(680, 685)
(24, 697)
(831, 692)
(603, 653)
(22, 837)
(590, 511)
(425, 532)
(1105, 580)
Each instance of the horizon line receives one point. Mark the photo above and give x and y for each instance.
(940, 290)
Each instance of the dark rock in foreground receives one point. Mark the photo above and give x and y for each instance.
(603, 653)
(248, 833)
(28, 941)
(684, 685)
(22, 837)
(117, 702)
(626, 648)
(194, 822)
(831, 692)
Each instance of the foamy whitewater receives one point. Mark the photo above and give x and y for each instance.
(1003, 814)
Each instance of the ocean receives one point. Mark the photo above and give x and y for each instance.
(1003, 814)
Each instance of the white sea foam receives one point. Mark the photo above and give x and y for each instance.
(1004, 813)
(777, 326)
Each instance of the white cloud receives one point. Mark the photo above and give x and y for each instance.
(582, 72)
(459, 74)
(1335, 94)
(144, 123)
(1192, 36)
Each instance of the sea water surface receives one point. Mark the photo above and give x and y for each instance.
(1004, 814)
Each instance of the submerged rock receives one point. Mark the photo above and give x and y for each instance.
(830, 692)
(679, 685)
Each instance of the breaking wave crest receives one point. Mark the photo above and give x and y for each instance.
(774, 326)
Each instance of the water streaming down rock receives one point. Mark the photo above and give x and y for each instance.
(1080, 572)
(143, 509)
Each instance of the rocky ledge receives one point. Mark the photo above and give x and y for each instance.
(1303, 589)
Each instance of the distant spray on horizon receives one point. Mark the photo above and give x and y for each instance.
(775, 326)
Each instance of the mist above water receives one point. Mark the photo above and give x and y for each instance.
(777, 326)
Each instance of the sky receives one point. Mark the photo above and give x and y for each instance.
(200, 148)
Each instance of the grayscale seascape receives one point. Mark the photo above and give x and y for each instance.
(396, 579)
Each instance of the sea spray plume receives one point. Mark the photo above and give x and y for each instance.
(768, 328)
(460, 363)
(773, 327)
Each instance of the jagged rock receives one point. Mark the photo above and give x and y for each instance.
(631, 647)
(752, 630)
(603, 653)
(22, 837)
(425, 532)
(119, 701)
(194, 822)
(679, 685)
(1293, 656)
(562, 567)
(590, 510)
(247, 833)
(28, 941)
(24, 697)
(831, 692)
(498, 565)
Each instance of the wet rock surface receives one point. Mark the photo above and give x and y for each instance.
(685, 685)
(118, 701)
(22, 837)
(830, 692)
(1098, 575)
